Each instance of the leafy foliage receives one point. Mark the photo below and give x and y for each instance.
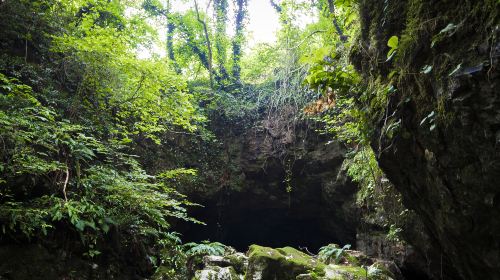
(114, 79)
(332, 253)
(172, 261)
(72, 109)
(204, 249)
(342, 108)
(108, 187)
(196, 251)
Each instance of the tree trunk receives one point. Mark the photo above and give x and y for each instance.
(238, 38)
(209, 47)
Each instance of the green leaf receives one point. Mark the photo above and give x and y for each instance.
(393, 42)
(429, 117)
(91, 224)
(80, 225)
(105, 228)
(390, 54)
(392, 73)
(455, 70)
(423, 121)
(448, 28)
(426, 69)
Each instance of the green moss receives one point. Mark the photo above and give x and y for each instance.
(288, 263)
(352, 259)
(334, 272)
(282, 263)
(297, 257)
(257, 251)
(238, 262)
(410, 37)
(421, 28)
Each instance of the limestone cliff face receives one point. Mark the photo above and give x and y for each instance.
(445, 156)
(280, 184)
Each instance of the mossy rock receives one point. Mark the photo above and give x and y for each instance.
(347, 272)
(286, 263)
(340, 272)
(217, 273)
(308, 276)
(351, 259)
(238, 261)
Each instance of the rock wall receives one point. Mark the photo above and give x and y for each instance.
(445, 155)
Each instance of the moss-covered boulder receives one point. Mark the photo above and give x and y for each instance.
(334, 271)
(286, 263)
(238, 261)
(217, 273)
(264, 263)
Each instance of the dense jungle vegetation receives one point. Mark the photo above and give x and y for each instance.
(104, 102)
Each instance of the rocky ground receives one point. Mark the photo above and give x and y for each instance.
(265, 263)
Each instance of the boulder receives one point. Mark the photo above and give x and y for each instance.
(217, 273)
(238, 261)
(266, 263)
(216, 261)
(333, 271)
(230, 266)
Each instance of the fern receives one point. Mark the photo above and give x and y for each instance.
(205, 248)
(332, 252)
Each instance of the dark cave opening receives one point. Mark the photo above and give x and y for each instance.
(266, 227)
(275, 220)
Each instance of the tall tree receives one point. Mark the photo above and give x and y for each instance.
(170, 35)
(156, 9)
(209, 46)
(239, 37)
(220, 10)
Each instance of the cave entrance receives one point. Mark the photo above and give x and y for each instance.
(271, 216)
(298, 196)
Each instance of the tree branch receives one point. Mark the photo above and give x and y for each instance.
(238, 38)
(331, 8)
(207, 38)
(276, 6)
(307, 37)
(66, 184)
